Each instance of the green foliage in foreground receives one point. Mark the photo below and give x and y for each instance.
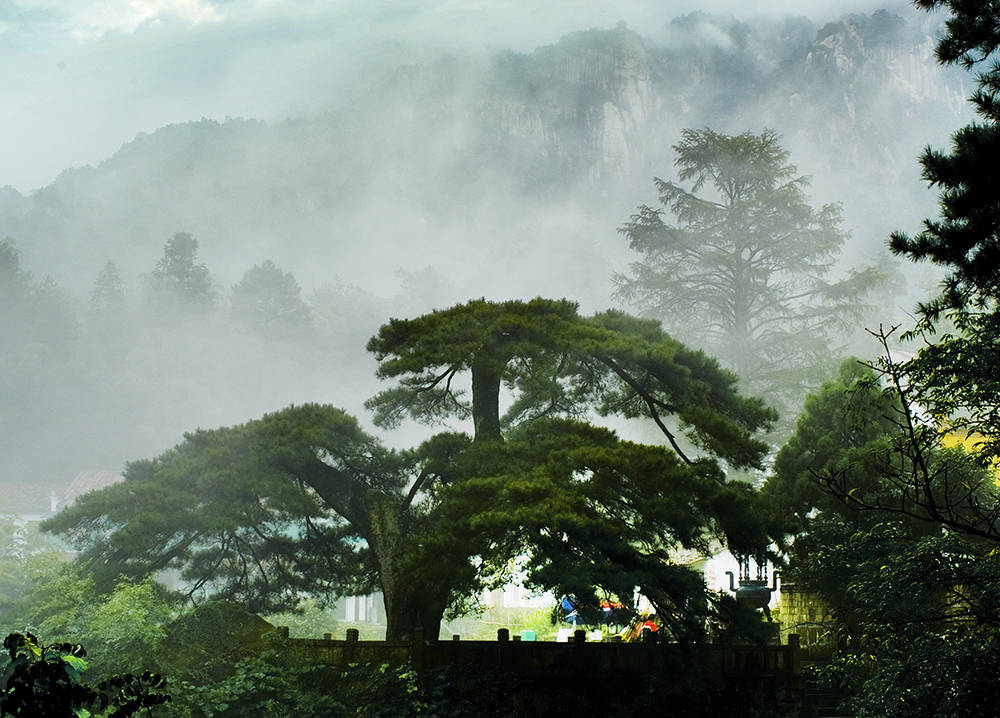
(889, 533)
(272, 681)
(926, 615)
(926, 604)
(957, 367)
(40, 680)
(841, 427)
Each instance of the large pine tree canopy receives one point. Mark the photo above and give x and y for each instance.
(555, 362)
(303, 501)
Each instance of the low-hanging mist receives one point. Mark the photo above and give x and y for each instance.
(499, 173)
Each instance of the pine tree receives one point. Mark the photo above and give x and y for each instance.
(178, 276)
(745, 272)
(269, 300)
(108, 294)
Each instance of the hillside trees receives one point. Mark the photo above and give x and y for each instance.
(12, 277)
(179, 278)
(108, 378)
(39, 350)
(303, 501)
(15, 291)
(745, 270)
(269, 300)
(843, 425)
(108, 294)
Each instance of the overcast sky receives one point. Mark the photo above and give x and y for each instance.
(81, 77)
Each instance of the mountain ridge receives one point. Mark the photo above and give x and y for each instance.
(582, 123)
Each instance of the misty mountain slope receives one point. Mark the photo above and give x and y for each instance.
(440, 152)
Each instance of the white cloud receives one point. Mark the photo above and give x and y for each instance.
(128, 15)
(85, 20)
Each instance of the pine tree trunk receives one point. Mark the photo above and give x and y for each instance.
(405, 611)
(408, 600)
(486, 376)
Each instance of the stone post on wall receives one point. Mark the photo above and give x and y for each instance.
(796, 653)
(350, 650)
(418, 648)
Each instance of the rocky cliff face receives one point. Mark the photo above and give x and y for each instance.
(609, 103)
(860, 72)
(585, 103)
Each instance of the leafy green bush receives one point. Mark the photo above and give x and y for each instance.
(122, 629)
(277, 681)
(41, 680)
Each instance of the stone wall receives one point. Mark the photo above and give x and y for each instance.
(584, 679)
(806, 614)
(730, 659)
